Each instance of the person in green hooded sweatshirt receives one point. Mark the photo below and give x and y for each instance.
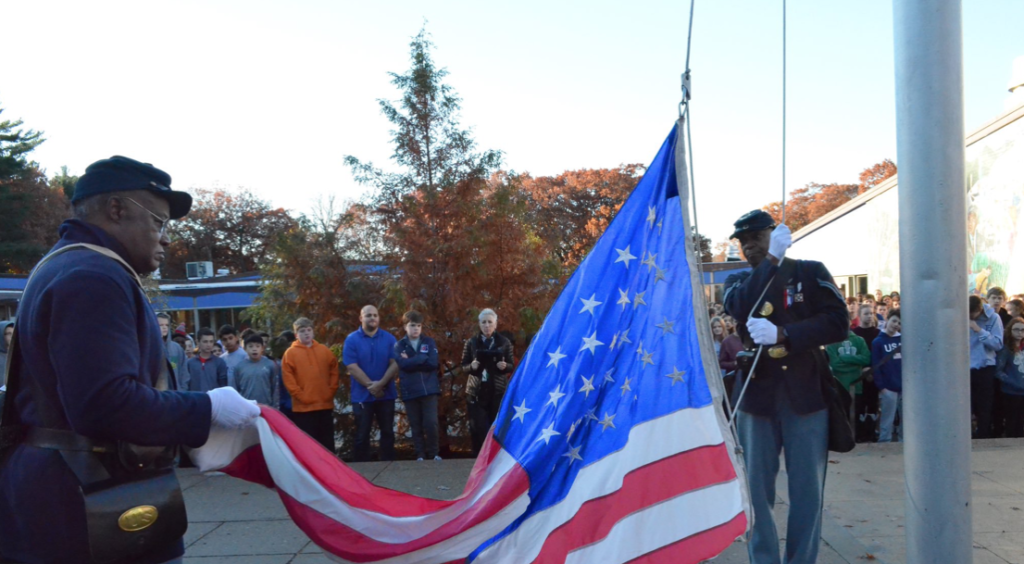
(848, 359)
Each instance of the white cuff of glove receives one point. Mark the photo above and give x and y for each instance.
(762, 331)
(230, 410)
(782, 239)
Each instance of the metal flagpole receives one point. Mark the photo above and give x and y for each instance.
(933, 276)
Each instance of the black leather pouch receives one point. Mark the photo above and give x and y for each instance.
(127, 518)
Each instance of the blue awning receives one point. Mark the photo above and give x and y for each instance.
(212, 301)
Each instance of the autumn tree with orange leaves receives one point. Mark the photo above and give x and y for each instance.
(807, 204)
(234, 230)
(571, 211)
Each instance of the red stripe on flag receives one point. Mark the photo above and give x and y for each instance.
(700, 547)
(349, 486)
(251, 467)
(344, 541)
(648, 485)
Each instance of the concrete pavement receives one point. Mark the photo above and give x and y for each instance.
(235, 522)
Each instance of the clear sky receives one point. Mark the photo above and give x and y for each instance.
(273, 95)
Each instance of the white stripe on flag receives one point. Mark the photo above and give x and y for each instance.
(291, 477)
(458, 546)
(663, 524)
(651, 441)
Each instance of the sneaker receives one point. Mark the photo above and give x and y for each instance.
(437, 458)
(419, 459)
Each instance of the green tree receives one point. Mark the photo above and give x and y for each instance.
(24, 199)
(65, 182)
(15, 146)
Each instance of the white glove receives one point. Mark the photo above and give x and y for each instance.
(782, 239)
(762, 331)
(231, 410)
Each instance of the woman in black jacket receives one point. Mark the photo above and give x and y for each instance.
(487, 360)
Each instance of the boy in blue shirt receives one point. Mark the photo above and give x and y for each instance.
(887, 364)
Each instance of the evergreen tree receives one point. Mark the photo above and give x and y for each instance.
(456, 239)
(19, 178)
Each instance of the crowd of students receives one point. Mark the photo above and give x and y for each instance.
(869, 362)
(300, 376)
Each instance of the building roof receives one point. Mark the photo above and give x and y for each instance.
(890, 183)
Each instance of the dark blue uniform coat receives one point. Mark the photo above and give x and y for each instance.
(817, 316)
(87, 333)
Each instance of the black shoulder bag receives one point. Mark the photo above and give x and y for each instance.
(128, 513)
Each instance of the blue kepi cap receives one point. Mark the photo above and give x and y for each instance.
(754, 220)
(121, 174)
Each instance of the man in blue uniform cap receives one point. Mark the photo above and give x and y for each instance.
(783, 408)
(92, 368)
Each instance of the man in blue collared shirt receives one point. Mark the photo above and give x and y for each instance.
(369, 356)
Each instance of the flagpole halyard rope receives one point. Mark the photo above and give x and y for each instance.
(783, 111)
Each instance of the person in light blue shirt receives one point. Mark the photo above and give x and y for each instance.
(986, 339)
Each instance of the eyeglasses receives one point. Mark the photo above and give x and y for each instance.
(161, 221)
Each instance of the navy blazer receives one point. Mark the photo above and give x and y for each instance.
(816, 316)
(87, 332)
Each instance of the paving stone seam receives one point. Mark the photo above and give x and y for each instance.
(843, 542)
(207, 533)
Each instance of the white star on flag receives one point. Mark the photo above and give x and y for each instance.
(650, 261)
(588, 386)
(591, 343)
(555, 357)
(607, 422)
(624, 338)
(666, 326)
(574, 454)
(608, 376)
(546, 434)
(589, 305)
(553, 397)
(652, 214)
(623, 299)
(676, 375)
(625, 387)
(638, 300)
(659, 274)
(647, 359)
(521, 411)
(624, 256)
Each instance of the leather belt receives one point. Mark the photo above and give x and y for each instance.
(61, 439)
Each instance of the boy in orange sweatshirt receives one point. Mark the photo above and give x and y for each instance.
(310, 373)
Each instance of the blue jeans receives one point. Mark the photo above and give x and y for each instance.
(422, 414)
(384, 412)
(804, 439)
(891, 402)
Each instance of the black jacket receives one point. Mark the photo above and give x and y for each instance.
(815, 315)
(498, 348)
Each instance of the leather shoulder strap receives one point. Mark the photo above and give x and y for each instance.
(12, 372)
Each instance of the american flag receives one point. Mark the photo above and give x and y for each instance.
(610, 446)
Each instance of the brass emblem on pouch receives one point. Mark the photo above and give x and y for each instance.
(766, 309)
(137, 518)
(778, 351)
